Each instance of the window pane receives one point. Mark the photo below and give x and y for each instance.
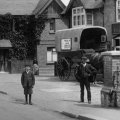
(74, 20)
(83, 20)
(49, 56)
(54, 56)
(78, 10)
(78, 20)
(52, 24)
(74, 11)
(82, 10)
(118, 11)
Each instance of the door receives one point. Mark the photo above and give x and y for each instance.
(3, 60)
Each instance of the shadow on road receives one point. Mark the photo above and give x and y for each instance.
(52, 79)
(18, 101)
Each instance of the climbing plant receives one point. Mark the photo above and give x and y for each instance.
(22, 31)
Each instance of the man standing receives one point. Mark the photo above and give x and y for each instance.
(28, 81)
(85, 71)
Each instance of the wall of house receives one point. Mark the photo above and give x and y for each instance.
(109, 16)
(48, 40)
(98, 17)
(42, 53)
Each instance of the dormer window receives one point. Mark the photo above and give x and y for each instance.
(80, 17)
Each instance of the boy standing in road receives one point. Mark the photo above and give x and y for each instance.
(28, 81)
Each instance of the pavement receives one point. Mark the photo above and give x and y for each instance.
(65, 95)
(93, 111)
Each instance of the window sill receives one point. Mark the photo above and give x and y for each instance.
(52, 32)
(50, 63)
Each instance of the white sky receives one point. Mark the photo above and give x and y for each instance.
(65, 1)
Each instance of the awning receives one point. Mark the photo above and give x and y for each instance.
(5, 44)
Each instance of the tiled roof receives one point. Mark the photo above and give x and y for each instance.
(92, 4)
(42, 4)
(17, 7)
(87, 4)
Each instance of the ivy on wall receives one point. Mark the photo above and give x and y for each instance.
(23, 32)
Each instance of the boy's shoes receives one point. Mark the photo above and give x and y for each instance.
(25, 103)
(81, 100)
(89, 102)
(30, 103)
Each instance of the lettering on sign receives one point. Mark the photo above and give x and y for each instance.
(66, 44)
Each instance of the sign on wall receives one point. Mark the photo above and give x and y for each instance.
(66, 44)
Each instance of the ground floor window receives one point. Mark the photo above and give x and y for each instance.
(51, 55)
(117, 42)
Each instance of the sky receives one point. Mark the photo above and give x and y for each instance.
(65, 1)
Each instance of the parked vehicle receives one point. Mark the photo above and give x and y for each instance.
(72, 44)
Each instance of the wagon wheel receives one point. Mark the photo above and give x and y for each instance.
(63, 69)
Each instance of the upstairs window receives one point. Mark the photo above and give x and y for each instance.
(80, 17)
(52, 25)
(118, 10)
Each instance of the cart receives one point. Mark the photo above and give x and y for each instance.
(72, 44)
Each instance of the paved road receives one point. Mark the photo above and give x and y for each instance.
(46, 103)
(51, 98)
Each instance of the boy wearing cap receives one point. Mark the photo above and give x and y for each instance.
(85, 71)
(28, 81)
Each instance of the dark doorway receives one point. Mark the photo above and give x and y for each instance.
(4, 60)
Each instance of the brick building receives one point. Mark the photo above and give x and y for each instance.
(112, 20)
(86, 13)
(97, 12)
(77, 13)
(46, 52)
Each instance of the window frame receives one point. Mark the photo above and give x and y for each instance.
(80, 16)
(53, 53)
(117, 7)
(78, 12)
(52, 25)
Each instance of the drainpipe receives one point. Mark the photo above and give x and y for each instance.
(103, 12)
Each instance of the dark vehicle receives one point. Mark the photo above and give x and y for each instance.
(72, 44)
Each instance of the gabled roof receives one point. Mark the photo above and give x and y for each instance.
(87, 4)
(17, 7)
(43, 4)
(92, 4)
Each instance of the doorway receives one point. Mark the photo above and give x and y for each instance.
(4, 60)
